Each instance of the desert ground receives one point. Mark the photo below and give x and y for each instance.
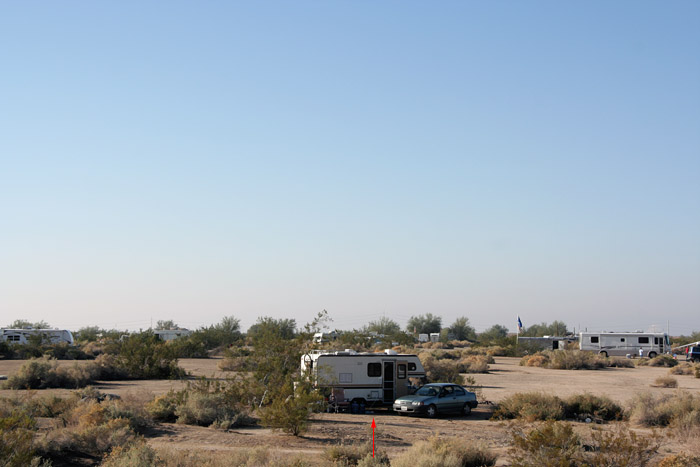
(396, 433)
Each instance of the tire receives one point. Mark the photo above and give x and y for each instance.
(466, 410)
(431, 411)
(652, 354)
(603, 353)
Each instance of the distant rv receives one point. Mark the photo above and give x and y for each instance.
(625, 343)
(48, 336)
(171, 334)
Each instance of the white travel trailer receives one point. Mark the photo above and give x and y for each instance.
(170, 334)
(366, 378)
(48, 336)
(625, 343)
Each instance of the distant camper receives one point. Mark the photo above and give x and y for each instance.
(611, 344)
(171, 334)
(48, 336)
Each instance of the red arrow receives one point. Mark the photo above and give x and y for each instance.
(374, 425)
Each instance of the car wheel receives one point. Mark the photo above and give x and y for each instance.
(652, 354)
(603, 354)
(466, 410)
(431, 411)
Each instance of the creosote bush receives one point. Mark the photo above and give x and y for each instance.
(566, 360)
(680, 410)
(290, 409)
(533, 406)
(355, 454)
(659, 360)
(666, 382)
(448, 452)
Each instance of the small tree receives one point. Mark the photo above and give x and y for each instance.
(494, 333)
(290, 409)
(23, 323)
(385, 326)
(462, 330)
(424, 324)
(166, 324)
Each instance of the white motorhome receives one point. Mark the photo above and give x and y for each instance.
(48, 336)
(369, 378)
(170, 334)
(625, 343)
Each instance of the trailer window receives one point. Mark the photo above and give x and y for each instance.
(401, 371)
(345, 377)
(594, 339)
(643, 340)
(411, 366)
(656, 340)
(622, 339)
(374, 369)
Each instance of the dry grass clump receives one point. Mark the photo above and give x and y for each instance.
(474, 364)
(538, 360)
(620, 362)
(445, 452)
(253, 457)
(599, 408)
(556, 444)
(680, 410)
(665, 382)
(684, 368)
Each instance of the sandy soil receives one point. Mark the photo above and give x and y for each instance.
(395, 433)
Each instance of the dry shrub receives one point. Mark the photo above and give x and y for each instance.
(620, 362)
(530, 406)
(260, 456)
(16, 435)
(556, 444)
(537, 360)
(680, 410)
(496, 351)
(355, 454)
(235, 364)
(137, 454)
(666, 382)
(474, 364)
(682, 369)
(576, 360)
(680, 460)
(449, 452)
(443, 371)
(597, 407)
(659, 360)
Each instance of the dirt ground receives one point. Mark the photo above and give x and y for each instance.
(394, 433)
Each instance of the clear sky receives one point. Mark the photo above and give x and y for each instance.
(192, 160)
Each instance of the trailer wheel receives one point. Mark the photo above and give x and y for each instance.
(603, 353)
(652, 354)
(431, 411)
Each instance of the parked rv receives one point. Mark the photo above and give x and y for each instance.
(47, 336)
(364, 378)
(170, 334)
(625, 343)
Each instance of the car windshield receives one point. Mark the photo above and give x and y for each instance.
(427, 391)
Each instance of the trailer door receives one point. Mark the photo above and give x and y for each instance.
(401, 379)
(389, 380)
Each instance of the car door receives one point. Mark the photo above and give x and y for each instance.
(448, 399)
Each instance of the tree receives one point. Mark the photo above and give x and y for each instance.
(557, 328)
(494, 333)
(284, 328)
(166, 324)
(384, 326)
(23, 323)
(424, 324)
(462, 330)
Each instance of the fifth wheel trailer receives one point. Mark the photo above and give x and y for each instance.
(47, 336)
(370, 378)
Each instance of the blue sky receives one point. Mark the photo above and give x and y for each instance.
(188, 161)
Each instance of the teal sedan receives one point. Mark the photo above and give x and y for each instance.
(436, 398)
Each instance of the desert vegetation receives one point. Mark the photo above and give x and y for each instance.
(539, 406)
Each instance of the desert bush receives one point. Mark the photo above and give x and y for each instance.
(474, 364)
(680, 410)
(290, 408)
(538, 360)
(576, 360)
(16, 435)
(137, 454)
(621, 447)
(659, 360)
(145, 356)
(355, 454)
(530, 406)
(666, 382)
(443, 371)
(445, 452)
(162, 408)
(680, 460)
(41, 373)
(597, 407)
(620, 362)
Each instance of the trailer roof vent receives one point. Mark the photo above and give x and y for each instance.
(390, 352)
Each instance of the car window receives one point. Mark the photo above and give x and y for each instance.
(459, 391)
(427, 391)
(447, 390)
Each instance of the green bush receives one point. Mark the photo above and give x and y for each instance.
(449, 452)
(357, 454)
(290, 409)
(442, 371)
(597, 407)
(16, 435)
(145, 356)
